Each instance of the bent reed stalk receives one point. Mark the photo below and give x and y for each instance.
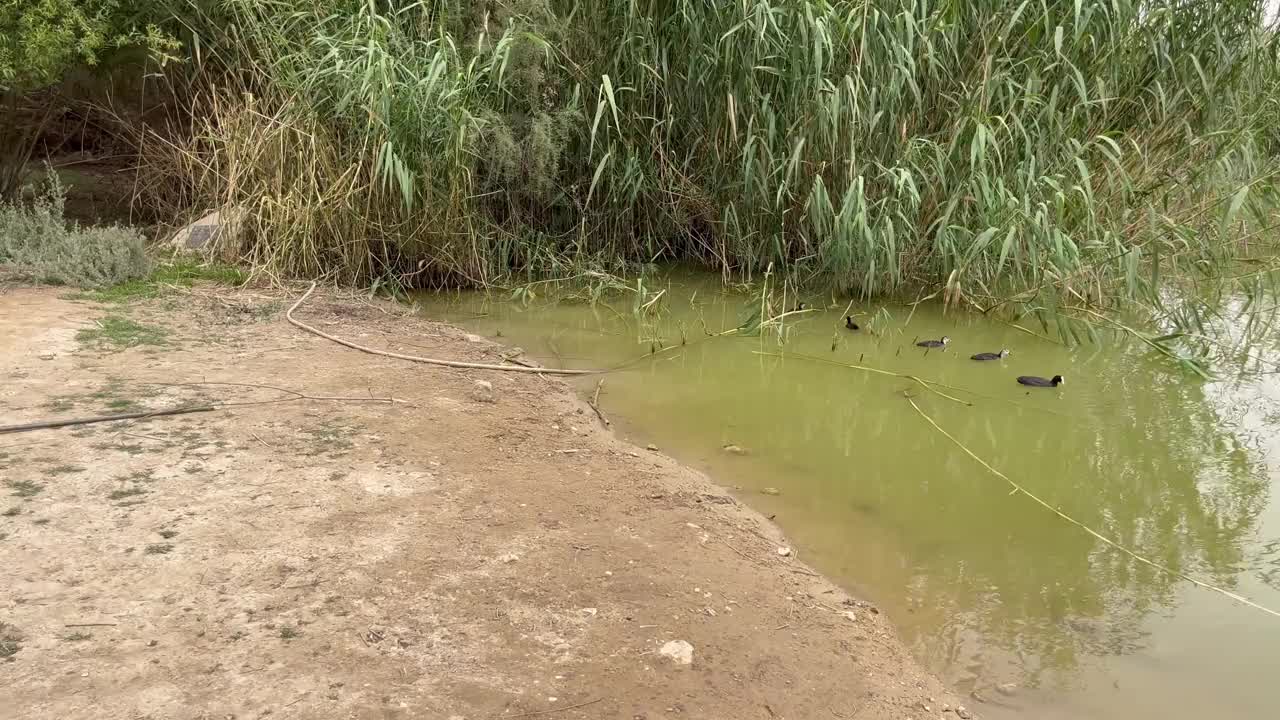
(1099, 536)
(414, 358)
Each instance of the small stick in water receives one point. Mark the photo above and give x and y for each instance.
(595, 404)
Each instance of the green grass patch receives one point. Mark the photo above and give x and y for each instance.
(159, 549)
(77, 637)
(64, 469)
(10, 641)
(122, 405)
(117, 332)
(176, 273)
(126, 493)
(288, 632)
(128, 448)
(24, 488)
(60, 404)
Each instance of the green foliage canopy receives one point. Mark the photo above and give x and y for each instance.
(40, 40)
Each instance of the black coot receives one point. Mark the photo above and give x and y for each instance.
(991, 356)
(1034, 381)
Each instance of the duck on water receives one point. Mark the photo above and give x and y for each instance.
(849, 323)
(934, 343)
(1034, 381)
(991, 356)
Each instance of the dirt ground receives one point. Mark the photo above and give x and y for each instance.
(455, 553)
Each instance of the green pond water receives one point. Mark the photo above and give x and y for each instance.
(987, 587)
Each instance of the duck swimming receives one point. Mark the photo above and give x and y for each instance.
(799, 307)
(1034, 381)
(991, 356)
(934, 343)
(850, 324)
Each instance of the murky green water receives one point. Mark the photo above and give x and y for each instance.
(987, 587)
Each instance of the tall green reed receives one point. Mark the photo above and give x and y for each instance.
(1053, 152)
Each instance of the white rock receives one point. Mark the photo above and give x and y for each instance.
(590, 612)
(215, 233)
(508, 558)
(680, 652)
(482, 391)
(784, 551)
(851, 615)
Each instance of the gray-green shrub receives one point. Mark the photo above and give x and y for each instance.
(39, 244)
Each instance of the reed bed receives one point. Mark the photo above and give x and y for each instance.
(1047, 153)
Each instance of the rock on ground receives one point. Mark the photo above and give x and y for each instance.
(680, 652)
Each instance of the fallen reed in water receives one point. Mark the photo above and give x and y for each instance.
(1099, 536)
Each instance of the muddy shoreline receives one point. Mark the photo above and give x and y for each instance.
(442, 543)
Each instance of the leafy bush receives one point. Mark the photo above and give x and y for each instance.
(37, 243)
(42, 41)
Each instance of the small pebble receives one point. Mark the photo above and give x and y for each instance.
(771, 491)
(784, 551)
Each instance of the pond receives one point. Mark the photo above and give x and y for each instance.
(995, 593)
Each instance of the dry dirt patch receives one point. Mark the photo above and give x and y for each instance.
(440, 556)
